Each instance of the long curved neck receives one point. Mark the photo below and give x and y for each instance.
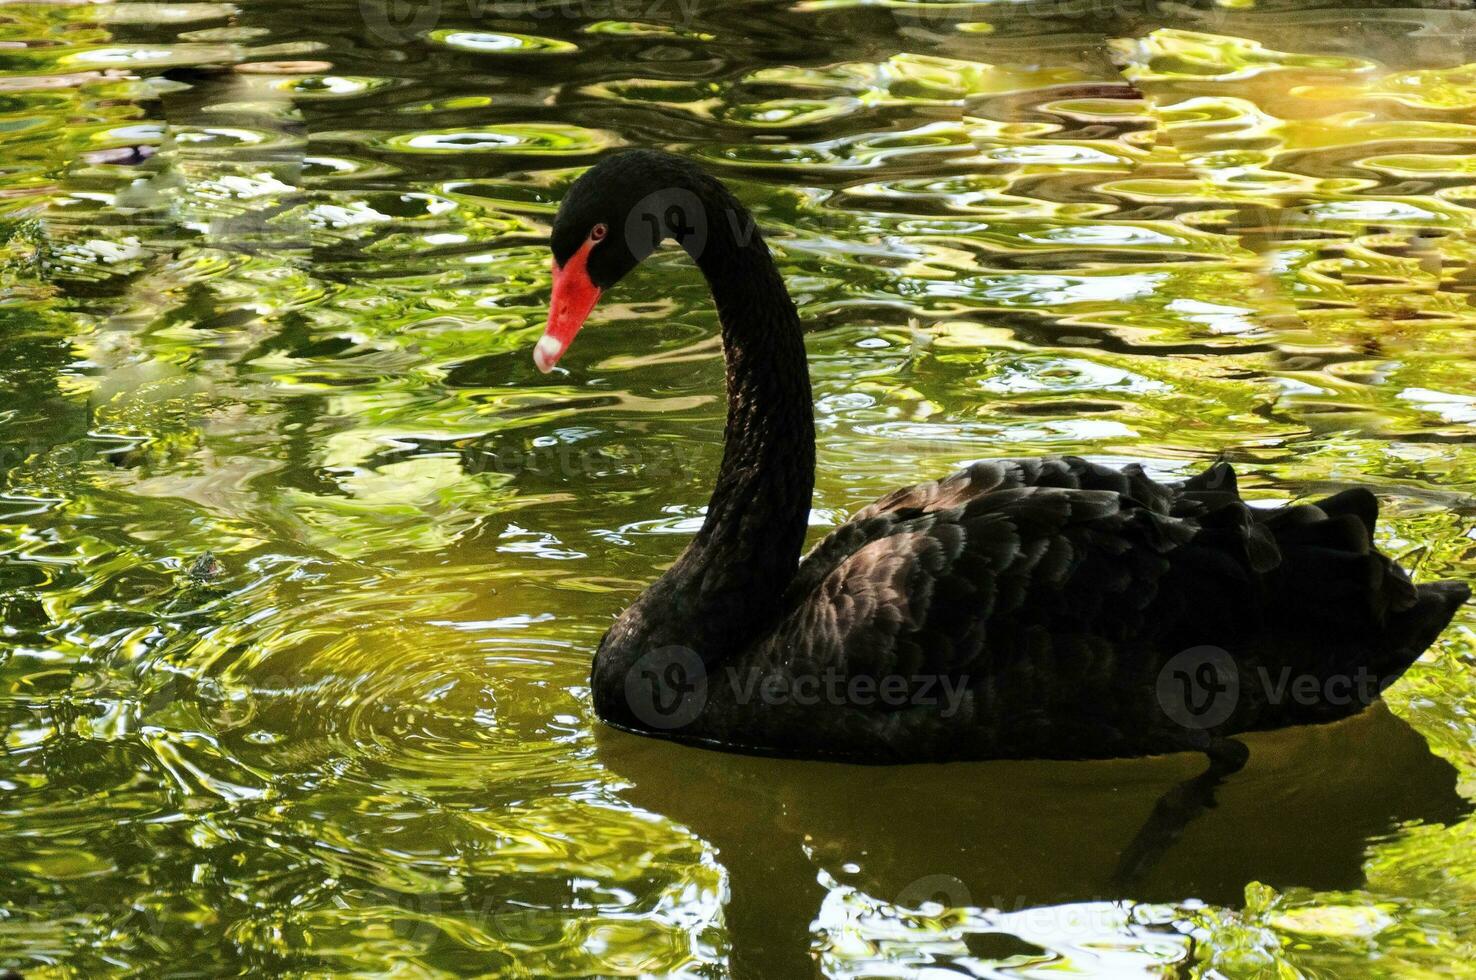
(727, 587)
(756, 519)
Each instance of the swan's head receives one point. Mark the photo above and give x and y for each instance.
(613, 216)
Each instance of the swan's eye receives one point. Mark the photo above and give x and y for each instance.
(598, 232)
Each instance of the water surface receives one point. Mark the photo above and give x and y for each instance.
(271, 278)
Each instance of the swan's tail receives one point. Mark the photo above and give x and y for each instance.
(1416, 615)
(1331, 580)
(1413, 630)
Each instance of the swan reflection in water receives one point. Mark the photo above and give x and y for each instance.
(1014, 835)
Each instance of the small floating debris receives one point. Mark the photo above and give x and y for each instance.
(205, 569)
(121, 155)
(283, 67)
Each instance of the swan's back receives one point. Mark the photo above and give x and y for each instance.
(1058, 608)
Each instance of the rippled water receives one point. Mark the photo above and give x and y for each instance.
(271, 277)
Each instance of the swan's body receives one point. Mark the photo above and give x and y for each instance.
(1019, 608)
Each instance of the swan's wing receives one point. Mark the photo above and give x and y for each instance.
(883, 517)
(1064, 472)
(904, 591)
(1052, 596)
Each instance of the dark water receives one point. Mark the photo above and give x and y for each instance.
(271, 277)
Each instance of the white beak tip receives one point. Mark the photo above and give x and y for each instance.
(547, 354)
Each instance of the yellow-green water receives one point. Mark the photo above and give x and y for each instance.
(297, 336)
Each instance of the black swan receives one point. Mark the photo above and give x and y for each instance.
(1025, 608)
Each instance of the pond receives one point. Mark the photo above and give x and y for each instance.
(302, 562)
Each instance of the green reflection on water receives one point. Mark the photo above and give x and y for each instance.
(270, 283)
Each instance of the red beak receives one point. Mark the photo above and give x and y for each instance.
(574, 295)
